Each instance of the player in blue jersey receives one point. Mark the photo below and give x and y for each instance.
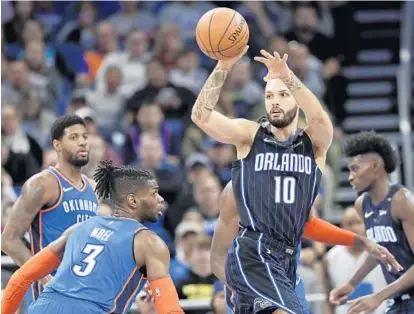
(316, 229)
(54, 199)
(107, 259)
(388, 213)
(275, 182)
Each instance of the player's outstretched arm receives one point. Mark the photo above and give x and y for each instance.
(39, 190)
(319, 125)
(36, 268)
(403, 210)
(216, 125)
(225, 232)
(150, 251)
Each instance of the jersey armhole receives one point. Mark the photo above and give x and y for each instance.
(50, 207)
(236, 162)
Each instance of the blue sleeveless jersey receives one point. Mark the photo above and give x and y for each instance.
(99, 265)
(382, 228)
(276, 185)
(72, 206)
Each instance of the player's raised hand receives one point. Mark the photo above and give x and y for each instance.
(228, 64)
(276, 65)
(382, 254)
(339, 295)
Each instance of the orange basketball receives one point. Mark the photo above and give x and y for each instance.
(222, 33)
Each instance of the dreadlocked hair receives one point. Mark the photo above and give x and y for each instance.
(114, 182)
(372, 142)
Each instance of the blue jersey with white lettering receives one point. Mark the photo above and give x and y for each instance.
(382, 228)
(276, 185)
(99, 264)
(73, 206)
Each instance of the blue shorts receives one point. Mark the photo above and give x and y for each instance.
(401, 305)
(299, 289)
(52, 302)
(262, 275)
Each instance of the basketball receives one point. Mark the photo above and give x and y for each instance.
(222, 33)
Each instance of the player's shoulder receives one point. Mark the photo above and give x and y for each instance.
(403, 197)
(147, 241)
(44, 181)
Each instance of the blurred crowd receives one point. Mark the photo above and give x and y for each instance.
(133, 70)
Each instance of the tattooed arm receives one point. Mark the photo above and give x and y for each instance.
(40, 190)
(232, 131)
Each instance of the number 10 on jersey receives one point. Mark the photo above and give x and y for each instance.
(285, 190)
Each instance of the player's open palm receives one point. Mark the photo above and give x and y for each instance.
(383, 255)
(339, 295)
(276, 65)
(228, 64)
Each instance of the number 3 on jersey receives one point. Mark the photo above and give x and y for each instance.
(93, 251)
(285, 189)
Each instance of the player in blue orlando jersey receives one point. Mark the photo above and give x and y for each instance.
(107, 259)
(315, 229)
(54, 199)
(388, 214)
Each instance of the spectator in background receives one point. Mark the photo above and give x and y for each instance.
(265, 18)
(197, 167)
(185, 235)
(46, 14)
(175, 101)
(247, 93)
(109, 99)
(221, 156)
(19, 166)
(150, 119)
(307, 68)
(188, 73)
(130, 18)
(13, 90)
(132, 62)
(37, 119)
(78, 100)
(168, 45)
(152, 157)
(206, 193)
(82, 30)
(44, 77)
(16, 139)
(106, 43)
(304, 30)
(198, 285)
(49, 158)
(350, 259)
(96, 154)
(13, 30)
(218, 300)
(184, 14)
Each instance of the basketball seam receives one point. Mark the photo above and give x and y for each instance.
(227, 28)
(235, 45)
(199, 37)
(241, 37)
(209, 30)
(219, 51)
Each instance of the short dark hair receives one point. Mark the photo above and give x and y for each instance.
(58, 127)
(116, 182)
(372, 142)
